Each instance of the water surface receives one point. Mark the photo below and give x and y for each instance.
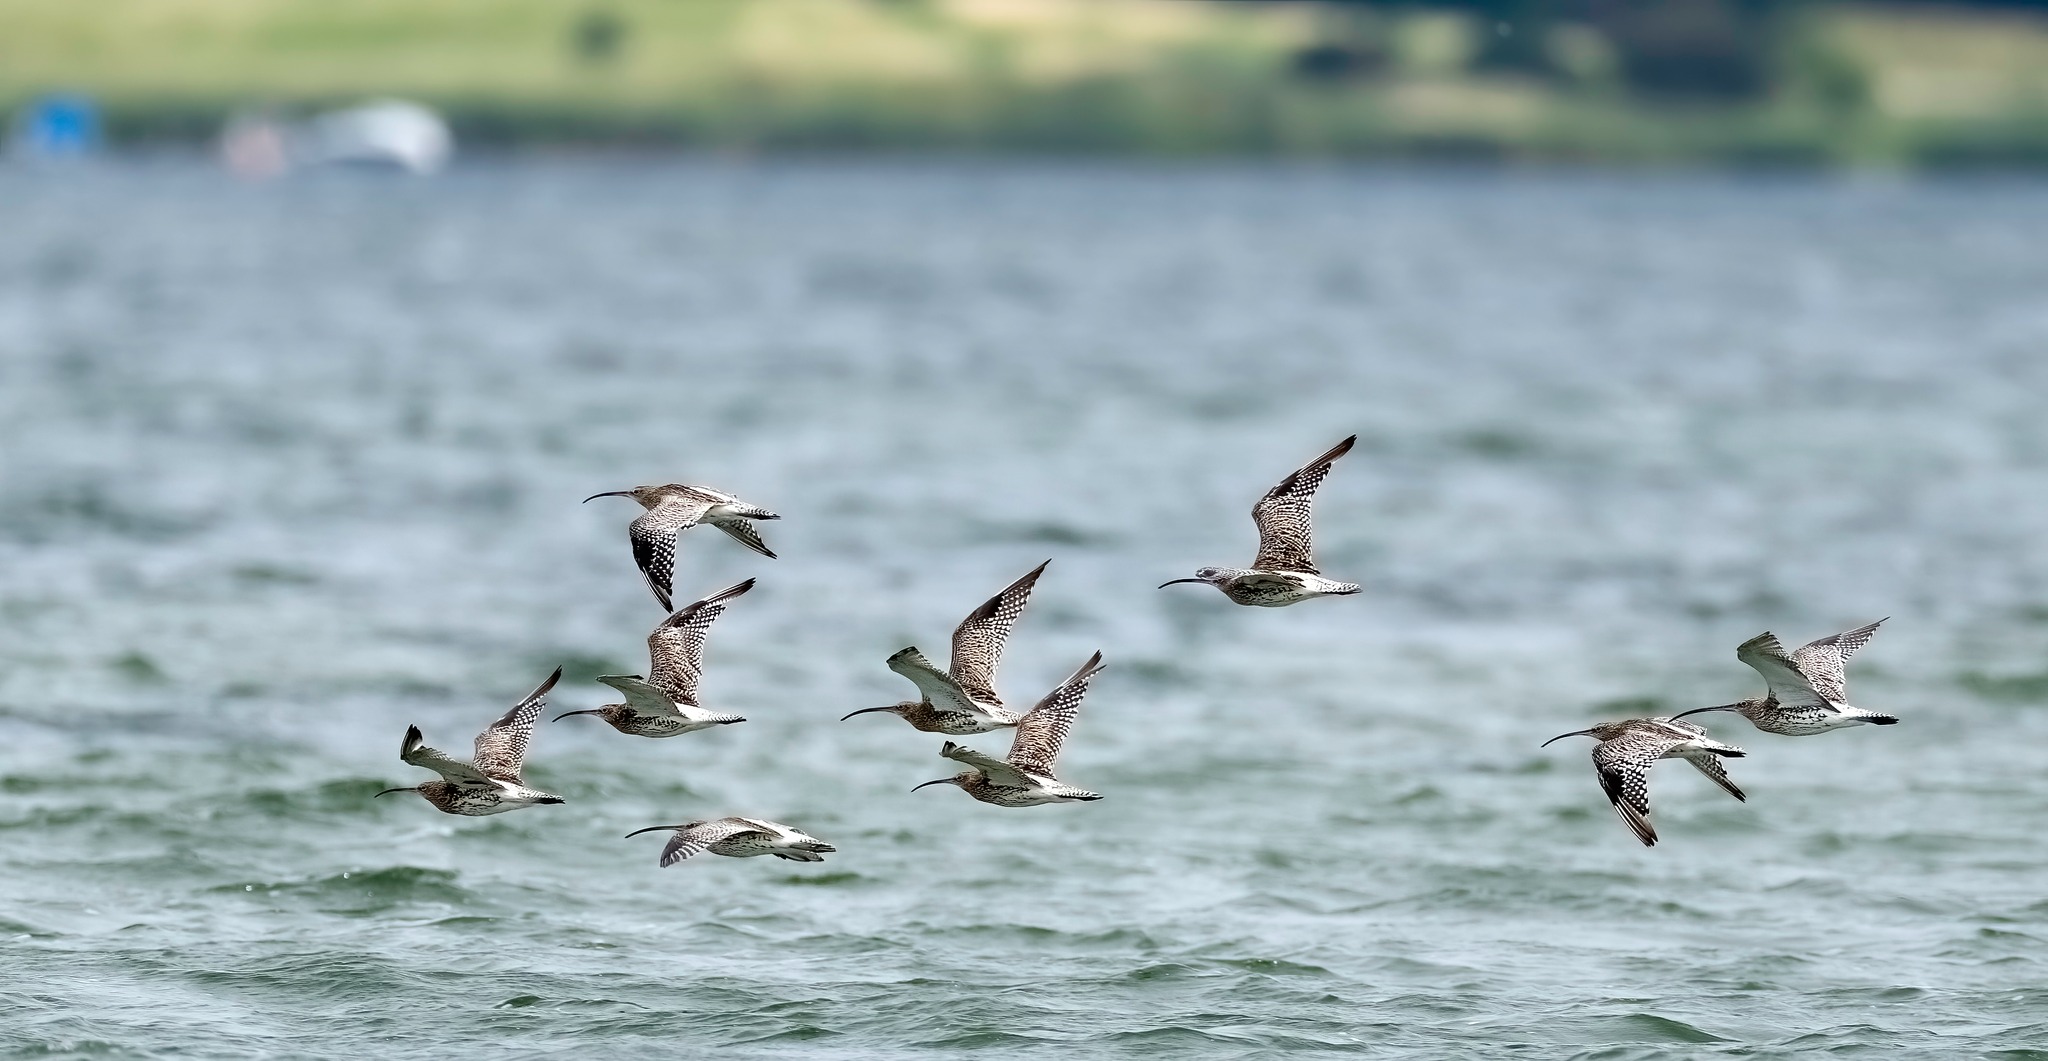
(287, 468)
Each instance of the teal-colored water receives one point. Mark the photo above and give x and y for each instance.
(284, 469)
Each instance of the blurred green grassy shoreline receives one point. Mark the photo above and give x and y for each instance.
(1851, 85)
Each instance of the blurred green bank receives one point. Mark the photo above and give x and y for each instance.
(1681, 81)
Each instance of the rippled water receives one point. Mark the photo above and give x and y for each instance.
(287, 468)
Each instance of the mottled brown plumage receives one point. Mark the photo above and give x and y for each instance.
(1808, 690)
(738, 838)
(963, 700)
(1026, 777)
(675, 508)
(1284, 572)
(664, 704)
(1628, 749)
(491, 782)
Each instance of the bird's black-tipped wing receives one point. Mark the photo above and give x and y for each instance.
(1822, 661)
(1285, 516)
(1623, 764)
(979, 639)
(501, 749)
(1716, 772)
(698, 838)
(1043, 730)
(744, 533)
(675, 649)
(654, 541)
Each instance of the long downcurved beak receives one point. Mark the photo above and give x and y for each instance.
(388, 791)
(1561, 736)
(591, 711)
(940, 781)
(649, 829)
(1697, 710)
(608, 493)
(1178, 581)
(865, 710)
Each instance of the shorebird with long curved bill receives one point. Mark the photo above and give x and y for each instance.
(1025, 778)
(1628, 749)
(664, 704)
(675, 508)
(739, 838)
(963, 700)
(1808, 690)
(1284, 572)
(490, 782)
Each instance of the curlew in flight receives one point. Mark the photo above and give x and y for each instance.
(1025, 778)
(1285, 570)
(489, 783)
(664, 704)
(740, 838)
(964, 700)
(675, 508)
(1808, 690)
(1628, 749)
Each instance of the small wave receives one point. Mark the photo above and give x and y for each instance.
(13, 928)
(345, 795)
(363, 893)
(822, 880)
(1666, 1029)
(1273, 967)
(538, 1002)
(1044, 532)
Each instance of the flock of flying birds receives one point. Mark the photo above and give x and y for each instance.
(1806, 691)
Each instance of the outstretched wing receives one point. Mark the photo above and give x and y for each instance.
(1285, 515)
(743, 532)
(697, 838)
(675, 650)
(640, 696)
(1624, 768)
(978, 640)
(938, 687)
(1044, 729)
(998, 771)
(1788, 684)
(413, 750)
(654, 541)
(1711, 766)
(501, 749)
(1821, 662)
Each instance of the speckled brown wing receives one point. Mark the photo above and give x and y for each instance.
(1624, 768)
(1822, 661)
(979, 639)
(675, 650)
(654, 541)
(501, 749)
(743, 532)
(1716, 772)
(1285, 516)
(1043, 731)
(697, 837)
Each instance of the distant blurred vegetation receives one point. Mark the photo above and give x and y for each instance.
(1744, 81)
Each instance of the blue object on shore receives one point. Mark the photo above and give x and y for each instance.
(58, 126)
